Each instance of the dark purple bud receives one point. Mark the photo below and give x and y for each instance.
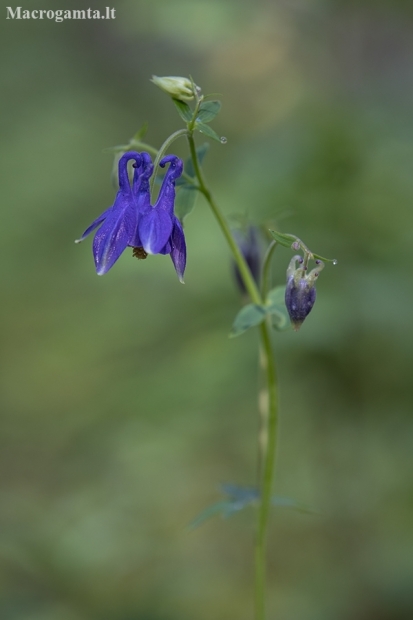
(299, 299)
(248, 242)
(300, 292)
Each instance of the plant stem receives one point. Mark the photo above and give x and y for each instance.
(143, 146)
(249, 281)
(162, 150)
(267, 478)
(268, 467)
(266, 269)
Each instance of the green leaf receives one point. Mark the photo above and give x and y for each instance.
(288, 502)
(280, 320)
(287, 240)
(120, 148)
(249, 316)
(276, 296)
(327, 260)
(207, 131)
(224, 508)
(240, 498)
(275, 304)
(184, 110)
(283, 239)
(141, 133)
(208, 111)
(185, 201)
(201, 151)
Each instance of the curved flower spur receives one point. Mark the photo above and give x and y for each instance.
(133, 222)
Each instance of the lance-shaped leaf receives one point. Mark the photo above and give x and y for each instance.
(293, 242)
(225, 508)
(249, 316)
(207, 131)
(134, 142)
(141, 133)
(328, 260)
(184, 110)
(289, 502)
(208, 111)
(284, 239)
(239, 498)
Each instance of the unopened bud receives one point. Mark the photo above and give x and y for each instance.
(300, 292)
(178, 87)
(249, 243)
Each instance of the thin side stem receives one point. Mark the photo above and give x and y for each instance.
(165, 146)
(143, 146)
(267, 479)
(266, 269)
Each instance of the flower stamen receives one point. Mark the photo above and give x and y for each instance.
(139, 253)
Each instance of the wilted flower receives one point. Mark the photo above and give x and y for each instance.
(300, 292)
(248, 242)
(178, 87)
(132, 221)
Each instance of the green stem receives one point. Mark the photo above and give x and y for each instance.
(263, 391)
(266, 270)
(143, 146)
(267, 479)
(245, 272)
(165, 146)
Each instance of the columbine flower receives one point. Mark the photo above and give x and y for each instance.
(248, 242)
(159, 230)
(132, 221)
(300, 292)
(118, 223)
(178, 87)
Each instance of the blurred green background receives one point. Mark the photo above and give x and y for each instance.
(124, 404)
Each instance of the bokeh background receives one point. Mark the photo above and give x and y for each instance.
(124, 405)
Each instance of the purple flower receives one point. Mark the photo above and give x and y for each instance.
(159, 230)
(118, 223)
(132, 221)
(300, 292)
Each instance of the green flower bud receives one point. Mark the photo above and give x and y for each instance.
(178, 87)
